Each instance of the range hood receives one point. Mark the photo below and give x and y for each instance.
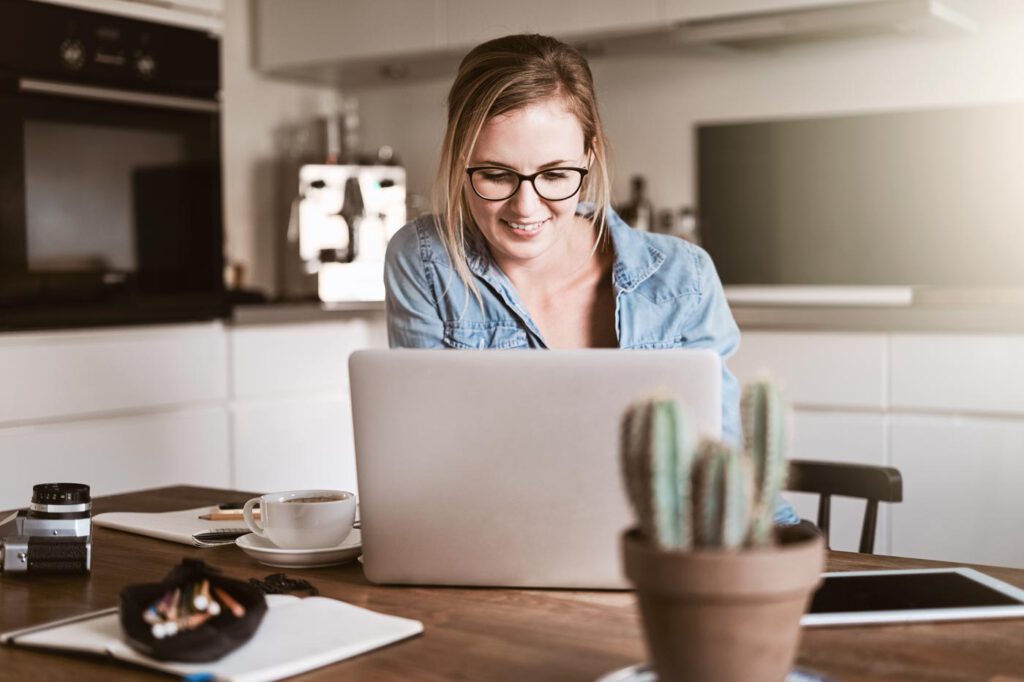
(837, 20)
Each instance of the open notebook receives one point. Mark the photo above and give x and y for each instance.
(177, 526)
(296, 635)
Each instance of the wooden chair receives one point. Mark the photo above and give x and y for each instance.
(872, 483)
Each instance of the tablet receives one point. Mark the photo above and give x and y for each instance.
(912, 595)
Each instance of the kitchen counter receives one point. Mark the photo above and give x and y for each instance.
(301, 311)
(926, 311)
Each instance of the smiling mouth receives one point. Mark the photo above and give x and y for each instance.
(526, 227)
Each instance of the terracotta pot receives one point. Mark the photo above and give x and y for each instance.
(724, 616)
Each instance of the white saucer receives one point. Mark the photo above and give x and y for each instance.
(266, 552)
(643, 673)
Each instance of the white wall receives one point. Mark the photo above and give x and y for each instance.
(651, 102)
(258, 114)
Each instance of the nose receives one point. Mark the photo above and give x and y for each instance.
(525, 200)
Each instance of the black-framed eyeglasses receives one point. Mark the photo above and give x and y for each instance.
(494, 183)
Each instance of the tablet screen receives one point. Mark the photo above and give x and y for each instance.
(912, 595)
(903, 591)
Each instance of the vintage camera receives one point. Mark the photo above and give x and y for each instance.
(54, 535)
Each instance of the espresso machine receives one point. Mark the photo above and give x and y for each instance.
(344, 217)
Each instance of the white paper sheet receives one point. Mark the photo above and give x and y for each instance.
(296, 635)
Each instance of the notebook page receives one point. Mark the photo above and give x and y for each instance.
(295, 635)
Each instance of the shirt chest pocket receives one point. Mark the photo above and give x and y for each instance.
(479, 335)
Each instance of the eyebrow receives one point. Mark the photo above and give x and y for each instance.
(550, 164)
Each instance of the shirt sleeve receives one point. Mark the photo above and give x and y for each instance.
(713, 326)
(412, 313)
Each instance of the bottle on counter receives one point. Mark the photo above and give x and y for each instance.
(638, 212)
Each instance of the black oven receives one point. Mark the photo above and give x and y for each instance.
(110, 199)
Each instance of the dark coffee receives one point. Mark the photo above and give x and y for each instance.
(316, 498)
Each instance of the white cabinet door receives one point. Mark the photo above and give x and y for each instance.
(294, 444)
(962, 489)
(60, 374)
(305, 31)
(958, 372)
(290, 415)
(824, 369)
(685, 10)
(471, 22)
(849, 438)
(117, 454)
(283, 359)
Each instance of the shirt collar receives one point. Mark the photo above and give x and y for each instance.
(636, 257)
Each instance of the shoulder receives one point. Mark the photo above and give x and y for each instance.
(683, 272)
(663, 266)
(417, 240)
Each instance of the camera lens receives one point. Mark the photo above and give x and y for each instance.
(60, 501)
(60, 493)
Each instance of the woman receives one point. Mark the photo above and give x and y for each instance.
(524, 251)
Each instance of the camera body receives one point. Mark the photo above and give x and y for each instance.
(54, 535)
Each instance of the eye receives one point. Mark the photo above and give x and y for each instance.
(495, 175)
(555, 175)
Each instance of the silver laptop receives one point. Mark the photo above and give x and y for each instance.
(501, 468)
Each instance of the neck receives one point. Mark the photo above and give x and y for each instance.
(573, 260)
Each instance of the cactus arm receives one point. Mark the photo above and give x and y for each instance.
(764, 417)
(686, 453)
(737, 493)
(634, 449)
(707, 512)
(665, 472)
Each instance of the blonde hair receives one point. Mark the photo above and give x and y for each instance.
(495, 78)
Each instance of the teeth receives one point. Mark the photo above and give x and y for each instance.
(526, 227)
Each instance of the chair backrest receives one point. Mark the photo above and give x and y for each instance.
(872, 483)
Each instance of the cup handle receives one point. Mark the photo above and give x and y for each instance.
(250, 521)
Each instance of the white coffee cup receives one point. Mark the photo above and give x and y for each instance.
(303, 519)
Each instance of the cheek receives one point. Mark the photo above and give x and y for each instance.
(483, 211)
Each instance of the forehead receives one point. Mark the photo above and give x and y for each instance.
(532, 136)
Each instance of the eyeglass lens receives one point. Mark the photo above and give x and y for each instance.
(554, 185)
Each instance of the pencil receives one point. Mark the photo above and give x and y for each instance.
(229, 602)
(227, 515)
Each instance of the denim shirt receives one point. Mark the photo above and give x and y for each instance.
(667, 295)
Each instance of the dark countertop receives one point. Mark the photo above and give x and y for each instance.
(301, 311)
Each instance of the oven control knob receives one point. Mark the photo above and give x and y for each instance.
(145, 65)
(72, 54)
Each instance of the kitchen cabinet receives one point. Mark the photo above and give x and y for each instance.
(368, 41)
(73, 374)
(841, 437)
(690, 10)
(944, 409)
(968, 373)
(839, 370)
(115, 453)
(290, 411)
(962, 480)
(299, 32)
(119, 409)
(470, 22)
(253, 406)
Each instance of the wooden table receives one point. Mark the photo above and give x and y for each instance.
(480, 633)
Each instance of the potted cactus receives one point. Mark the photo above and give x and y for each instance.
(720, 589)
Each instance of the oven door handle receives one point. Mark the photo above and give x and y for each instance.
(32, 85)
